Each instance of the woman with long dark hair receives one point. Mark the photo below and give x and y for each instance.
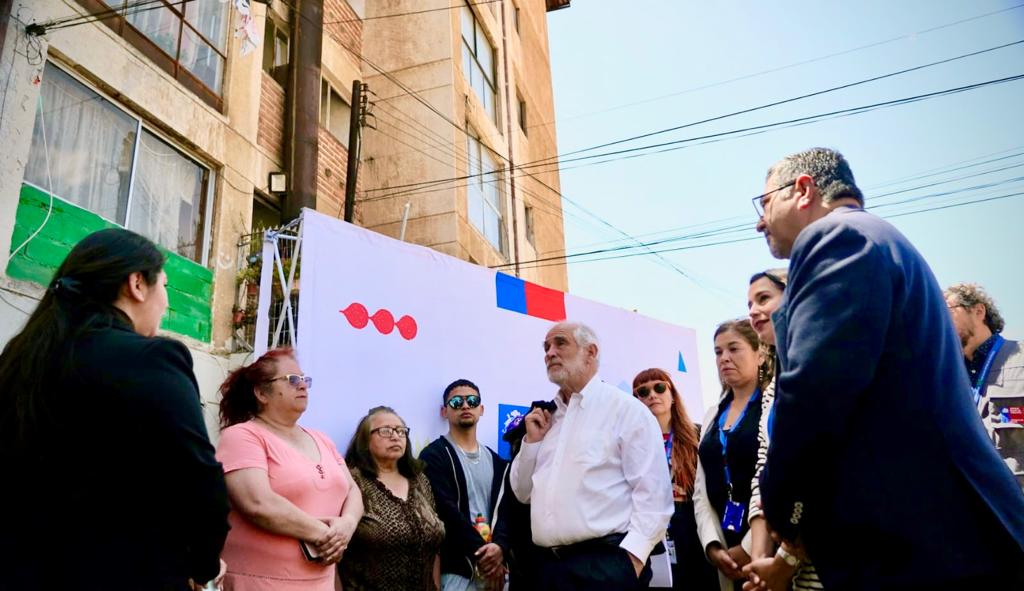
(115, 484)
(785, 567)
(655, 388)
(398, 541)
(294, 506)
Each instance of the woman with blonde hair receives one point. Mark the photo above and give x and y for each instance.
(654, 387)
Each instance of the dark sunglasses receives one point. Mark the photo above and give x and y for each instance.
(644, 391)
(294, 380)
(455, 402)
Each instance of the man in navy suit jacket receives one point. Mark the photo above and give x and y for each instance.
(879, 467)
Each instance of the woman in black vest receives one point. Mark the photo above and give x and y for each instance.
(727, 455)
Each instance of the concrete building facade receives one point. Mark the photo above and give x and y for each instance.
(151, 115)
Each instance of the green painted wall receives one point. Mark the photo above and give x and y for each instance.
(189, 284)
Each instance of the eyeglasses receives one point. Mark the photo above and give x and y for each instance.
(294, 380)
(644, 391)
(455, 402)
(759, 200)
(388, 432)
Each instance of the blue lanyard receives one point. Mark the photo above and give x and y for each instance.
(723, 435)
(979, 382)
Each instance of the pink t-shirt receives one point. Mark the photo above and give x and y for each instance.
(257, 559)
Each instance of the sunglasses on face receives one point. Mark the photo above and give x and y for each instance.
(644, 391)
(294, 380)
(455, 402)
(388, 432)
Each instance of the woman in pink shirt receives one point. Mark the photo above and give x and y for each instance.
(294, 506)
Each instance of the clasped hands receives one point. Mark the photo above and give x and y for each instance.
(334, 539)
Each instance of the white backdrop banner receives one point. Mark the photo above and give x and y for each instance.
(383, 322)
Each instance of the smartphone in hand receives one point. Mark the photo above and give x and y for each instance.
(309, 551)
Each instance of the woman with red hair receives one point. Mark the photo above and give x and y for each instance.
(294, 506)
(654, 387)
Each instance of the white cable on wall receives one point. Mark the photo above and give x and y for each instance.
(49, 179)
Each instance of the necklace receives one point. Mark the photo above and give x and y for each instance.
(472, 458)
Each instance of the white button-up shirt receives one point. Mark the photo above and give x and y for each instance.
(599, 470)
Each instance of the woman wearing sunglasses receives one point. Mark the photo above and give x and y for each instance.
(654, 387)
(727, 454)
(294, 505)
(397, 543)
(787, 567)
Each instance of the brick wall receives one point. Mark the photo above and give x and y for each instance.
(270, 134)
(330, 187)
(348, 33)
(330, 174)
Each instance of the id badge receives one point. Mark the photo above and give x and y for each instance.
(733, 518)
(670, 546)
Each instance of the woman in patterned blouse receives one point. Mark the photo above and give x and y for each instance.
(396, 543)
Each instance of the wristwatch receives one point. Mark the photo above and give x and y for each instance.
(788, 558)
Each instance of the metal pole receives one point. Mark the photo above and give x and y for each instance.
(510, 137)
(352, 170)
(405, 220)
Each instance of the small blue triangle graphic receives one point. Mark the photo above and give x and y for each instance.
(682, 365)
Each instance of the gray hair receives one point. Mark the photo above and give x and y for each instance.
(829, 169)
(584, 336)
(969, 295)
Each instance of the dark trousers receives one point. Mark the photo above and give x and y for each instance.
(594, 564)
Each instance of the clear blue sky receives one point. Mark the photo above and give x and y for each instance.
(608, 54)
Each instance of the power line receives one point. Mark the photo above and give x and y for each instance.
(733, 229)
(793, 99)
(782, 68)
(371, 18)
(562, 160)
(680, 143)
(528, 265)
(125, 11)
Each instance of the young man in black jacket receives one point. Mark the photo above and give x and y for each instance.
(467, 477)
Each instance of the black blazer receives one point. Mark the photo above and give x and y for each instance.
(461, 540)
(878, 458)
(126, 493)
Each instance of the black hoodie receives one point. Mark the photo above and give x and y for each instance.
(448, 481)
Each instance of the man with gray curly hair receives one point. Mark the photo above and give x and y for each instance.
(996, 367)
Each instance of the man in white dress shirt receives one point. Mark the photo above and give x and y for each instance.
(593, 473)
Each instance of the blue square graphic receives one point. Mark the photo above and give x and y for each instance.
(510, 292)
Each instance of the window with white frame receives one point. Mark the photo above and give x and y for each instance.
(335, 113)
(484, 204)
(103, 159)
(478, 61)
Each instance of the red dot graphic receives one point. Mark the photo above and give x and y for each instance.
(384, 321)
(407, 327)
(356, 315)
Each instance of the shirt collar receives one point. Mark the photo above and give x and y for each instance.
(982, 351)
(583, 394)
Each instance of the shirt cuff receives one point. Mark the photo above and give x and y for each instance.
(529, 451)
(636, 544)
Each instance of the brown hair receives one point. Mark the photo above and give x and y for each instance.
(238, 401)
(684, 432)
(778, 277)
(742, 327)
